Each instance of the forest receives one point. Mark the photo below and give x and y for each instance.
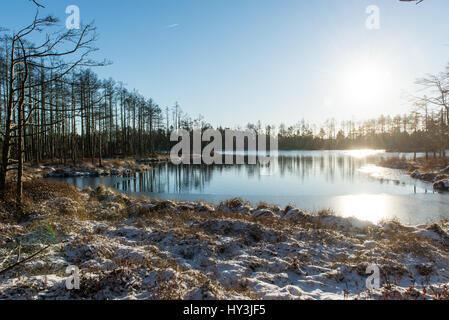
(53, 106)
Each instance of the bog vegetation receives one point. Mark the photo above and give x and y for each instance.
(53, 106)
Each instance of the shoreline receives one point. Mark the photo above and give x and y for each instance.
(110, 167)
(431, 170)
(140, 248)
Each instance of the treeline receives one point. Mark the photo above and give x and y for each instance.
(425, 128)
(54, 107)
(424, 131)
(62, 111)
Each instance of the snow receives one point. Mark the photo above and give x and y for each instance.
(370, 245)
(152, 249)
(427, 234)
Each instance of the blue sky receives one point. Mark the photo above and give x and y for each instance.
(239, 61)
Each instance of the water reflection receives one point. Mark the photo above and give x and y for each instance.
(374, 207)
(294, 172)
(167, 178)
(346, 181)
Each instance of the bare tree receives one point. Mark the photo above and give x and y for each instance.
(25, 57)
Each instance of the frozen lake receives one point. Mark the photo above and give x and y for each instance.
(345, 181)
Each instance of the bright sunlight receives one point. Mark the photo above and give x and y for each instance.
(364, 81)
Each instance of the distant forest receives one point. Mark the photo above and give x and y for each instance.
(54, 107)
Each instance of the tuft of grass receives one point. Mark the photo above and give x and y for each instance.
(34, 192)
(233, 203)
(424, 165)
(263, 205)
(326, 213)
(40, 190)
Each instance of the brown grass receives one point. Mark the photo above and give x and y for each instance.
(118, 161)
(39, 189)
(432, 163)
(423, 164)
(393, 162)
(35, 191)
(69, 162)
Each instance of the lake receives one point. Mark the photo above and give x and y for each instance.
(347, 182)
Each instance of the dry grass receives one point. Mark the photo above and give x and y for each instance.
(432, 163)
(39, 190)
(202, 231)
(397, 162)
(117, 161)
(423, 164)
(34, 192)
(70, 162)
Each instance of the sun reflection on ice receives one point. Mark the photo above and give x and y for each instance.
(374, 171)
(363, 153)
(373, 208)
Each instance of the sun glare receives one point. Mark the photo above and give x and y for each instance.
(363, 153)
(365, 207)
(364, 81)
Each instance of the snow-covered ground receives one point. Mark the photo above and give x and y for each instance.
(127, 248)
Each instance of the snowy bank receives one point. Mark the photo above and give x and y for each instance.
(128, 248)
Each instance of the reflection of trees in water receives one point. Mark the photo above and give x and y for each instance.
(169, 178)
(330, 166)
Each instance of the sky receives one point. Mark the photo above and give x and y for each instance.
(277, 61)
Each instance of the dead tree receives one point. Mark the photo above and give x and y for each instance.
(25, 57)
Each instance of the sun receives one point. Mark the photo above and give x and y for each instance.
(364, 81)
